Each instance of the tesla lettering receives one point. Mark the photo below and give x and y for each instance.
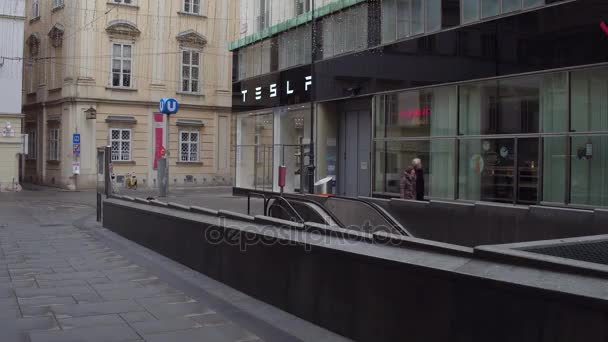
(274, 90)
(289, 91)
(308, 82)
(258, 93)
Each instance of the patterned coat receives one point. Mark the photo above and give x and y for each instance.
(408, 185)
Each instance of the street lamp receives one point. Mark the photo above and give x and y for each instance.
(91, 113)
(8, 130)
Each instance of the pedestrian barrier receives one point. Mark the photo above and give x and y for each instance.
(374, 287)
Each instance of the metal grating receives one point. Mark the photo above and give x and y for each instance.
(595, 251)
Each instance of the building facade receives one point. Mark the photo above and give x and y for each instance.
(98, 69)
(12, 19)
(503, 100)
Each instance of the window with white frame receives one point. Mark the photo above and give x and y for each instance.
(190, 71)
(35, 8)
(57, 3)
(192, 6)
(189, 146)
(122, 60)
(31, 144)
(54, 145)
(120, 141)
(126, 2)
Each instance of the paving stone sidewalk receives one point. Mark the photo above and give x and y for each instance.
(59, 282)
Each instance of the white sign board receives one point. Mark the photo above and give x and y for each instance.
(76, 167)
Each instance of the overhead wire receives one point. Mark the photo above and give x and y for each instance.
(137, 77)
(89, 26)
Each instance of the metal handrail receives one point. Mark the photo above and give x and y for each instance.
(298, 216)
(322, 206)
(255, 194)
(295, 197)
(393, 222)
(269, 195)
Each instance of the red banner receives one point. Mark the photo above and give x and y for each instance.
(158, 138)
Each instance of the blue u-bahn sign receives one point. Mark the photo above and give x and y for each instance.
(168, 106)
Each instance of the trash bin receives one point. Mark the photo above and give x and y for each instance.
(324, 186)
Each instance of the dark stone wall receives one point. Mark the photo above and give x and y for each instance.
(478, 224)
(374, 292)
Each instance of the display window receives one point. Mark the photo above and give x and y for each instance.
(533, 139)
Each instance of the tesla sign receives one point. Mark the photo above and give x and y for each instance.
(273, 89)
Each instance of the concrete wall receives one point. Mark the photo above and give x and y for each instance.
(370, 292)
(474, 224)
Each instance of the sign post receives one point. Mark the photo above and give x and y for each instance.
(167, 106)
(76, 156)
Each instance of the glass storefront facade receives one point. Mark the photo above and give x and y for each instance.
(416, 124)
(254, 155)
(497, 98)
(268, 139)
(531, 139)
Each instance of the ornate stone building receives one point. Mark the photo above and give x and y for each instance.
(99, 68)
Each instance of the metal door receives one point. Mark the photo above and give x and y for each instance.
(364, 135)
(355, 144)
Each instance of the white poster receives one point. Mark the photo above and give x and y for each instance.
(76, 168)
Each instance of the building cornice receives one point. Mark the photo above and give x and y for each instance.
(120, 102)
(9, 115)
(12, 17)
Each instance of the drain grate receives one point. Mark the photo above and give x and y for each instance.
(593, 251)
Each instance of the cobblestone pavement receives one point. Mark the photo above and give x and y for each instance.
(218, 198)
(64, 278)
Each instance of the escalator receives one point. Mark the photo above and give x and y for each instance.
(301, 211)
(359, 214)
(343, 212)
